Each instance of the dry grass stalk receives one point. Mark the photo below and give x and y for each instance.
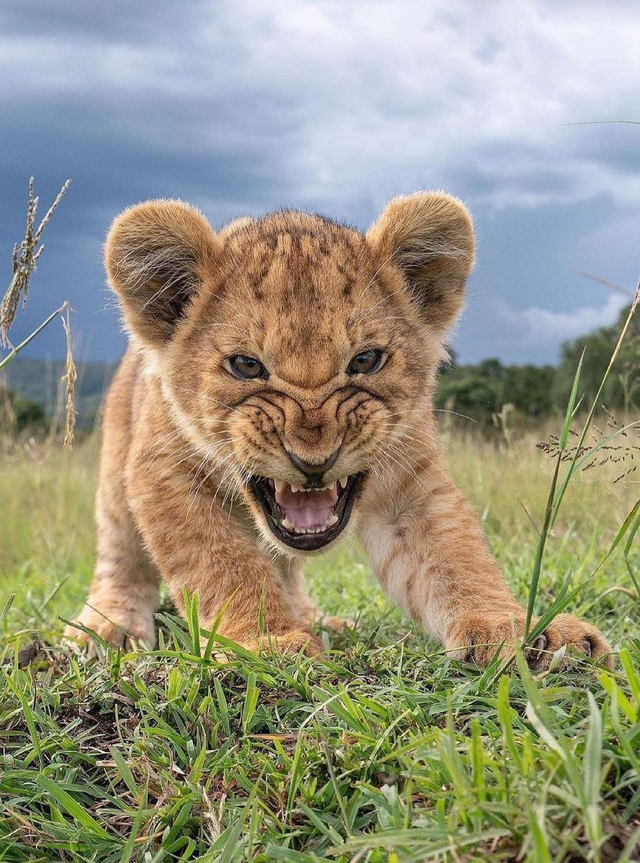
(24, 258)
(70, 377)
(625, 454)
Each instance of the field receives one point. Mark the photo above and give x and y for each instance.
(385, 751)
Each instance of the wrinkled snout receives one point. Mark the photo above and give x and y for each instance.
(312, 440)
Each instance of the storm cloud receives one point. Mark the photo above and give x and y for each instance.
(245, 106)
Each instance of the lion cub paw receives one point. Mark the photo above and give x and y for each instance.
(477, 638)
(299, 639)
(335, 624)
(291, 641)
(118, 628)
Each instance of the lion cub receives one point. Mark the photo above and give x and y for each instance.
(277, 396)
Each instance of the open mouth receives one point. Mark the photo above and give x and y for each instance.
(306, 518)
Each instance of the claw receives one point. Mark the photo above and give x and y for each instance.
(540, 643)
(536, 649)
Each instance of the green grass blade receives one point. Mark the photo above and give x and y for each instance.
(551, 505)
(73, 808)
(7, 607)
(591, 764)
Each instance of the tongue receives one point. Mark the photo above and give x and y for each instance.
(307, 510)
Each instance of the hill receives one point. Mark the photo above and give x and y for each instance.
(39, 382)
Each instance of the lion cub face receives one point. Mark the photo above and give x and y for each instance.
(294, 350)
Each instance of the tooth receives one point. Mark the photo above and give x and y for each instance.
(343, 481)
(287, 524)
(279, 484)
(333, 519)
(331, 486)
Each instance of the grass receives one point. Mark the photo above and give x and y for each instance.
(385, 751)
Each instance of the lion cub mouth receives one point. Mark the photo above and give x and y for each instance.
(306, 518)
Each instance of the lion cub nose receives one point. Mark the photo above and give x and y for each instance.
(313, 470)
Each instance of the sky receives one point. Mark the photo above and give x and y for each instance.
(333, 106)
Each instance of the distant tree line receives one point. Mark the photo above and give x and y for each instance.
(535, 392)
(32, 397)
(19, 414)
(479, 391)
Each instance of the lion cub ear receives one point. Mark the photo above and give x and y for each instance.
(157, 255)
(429, 236)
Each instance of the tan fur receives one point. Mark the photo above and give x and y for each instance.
(182, 435)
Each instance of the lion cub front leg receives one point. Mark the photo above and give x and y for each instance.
(197, 546)
(302, 603)
(430, 555)
(124, 592)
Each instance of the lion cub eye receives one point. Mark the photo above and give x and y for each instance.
(366, 362)
(246, 368)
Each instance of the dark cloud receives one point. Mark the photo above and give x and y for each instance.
(156, 20)
(247, 106)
